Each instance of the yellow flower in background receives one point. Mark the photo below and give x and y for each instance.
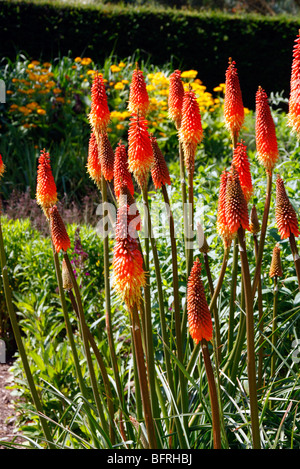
(189, 74)
(56, 90)
(60, 99)
(119, 86)
(41, 112)
(122, 64)
(86, 61)
(115, 68)
(77, 60)
(47, 64)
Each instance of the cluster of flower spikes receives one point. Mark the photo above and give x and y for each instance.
(199, 318)
(286, 218)
(190, 132)
(275, 267)
(241, 162)
(128, 272)
(175, 98)
(234, 113)
(265, 133)
(159, 171)
(294, 104)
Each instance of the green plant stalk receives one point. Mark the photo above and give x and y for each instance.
(184, 200)
(212, 304)
(296, 257)
(102, 369)
(262, 232)
(139, 354)
(190, 222)
(108, 324)
(213, 396)
(20, 345)
(274, 326)
(261, 322)
(232, 294)
(95, 390)
(250, 341)
(182, 380)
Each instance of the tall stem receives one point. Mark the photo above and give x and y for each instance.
(20, 345)
(261, 322)
(184, 199)
(213, 396)
(263, 232)
(250, 341)
(274, 327)
(296, 257)
(233, 294)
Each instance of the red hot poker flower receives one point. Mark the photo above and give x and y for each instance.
(175, 98)
(2, 166)
(276, 268)
(99, 116)
(222, 226)
(241, 163)
(138, 95)
(93, 161)
(106, 156)
(122, 176)
(266, 141)
(46, 194)
(140, 153)
(294, 103)
(159, 171)
(234, 113)
(190, 132)
(59, 233)
(286, 218)
(199, 318)
(236, 205)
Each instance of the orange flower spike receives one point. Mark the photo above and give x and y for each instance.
(294, 103)
(59, 233)
(140, 153)
(175, 98)
(222, 226)
(128, 274)
(266, 141)
(46, 193)
(106, 157)
(242, 165)
(286, 218)
(159, 171)
(199, 318)
(93, 161)
(138, 95)
(99, 116)
(234, 113)
(276, 268)
(122, 175)
(236, 205)
(190, 132)
(2, 166)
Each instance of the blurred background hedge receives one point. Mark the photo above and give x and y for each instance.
(260, 45)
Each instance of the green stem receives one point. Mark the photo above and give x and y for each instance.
(213, 396)
(190, 223)
(232, 294)
(274, 327)
(184, 199)
(20, 345)
(261, 323)
(296, 257)
(263, 232)
(250, 340)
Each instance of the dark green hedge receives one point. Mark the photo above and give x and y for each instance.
(261, 47)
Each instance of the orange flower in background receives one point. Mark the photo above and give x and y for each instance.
(46, 193)
(106, 156)
(99, 116)
(286, 218)
(222, 227)
(93, 161)
(138, 95)
(234, 113)
(122, 176)
(175, 99)
(275, 268)
(159, 171)
(254, 223)
(242, 165)
(190, 132)
(266, 141)
(128, 272)
(199, 318)
(59, 233)
(2, 166)
(294, 103)
(140, 153)
(235, 205)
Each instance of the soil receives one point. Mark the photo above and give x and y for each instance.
(7, 416)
